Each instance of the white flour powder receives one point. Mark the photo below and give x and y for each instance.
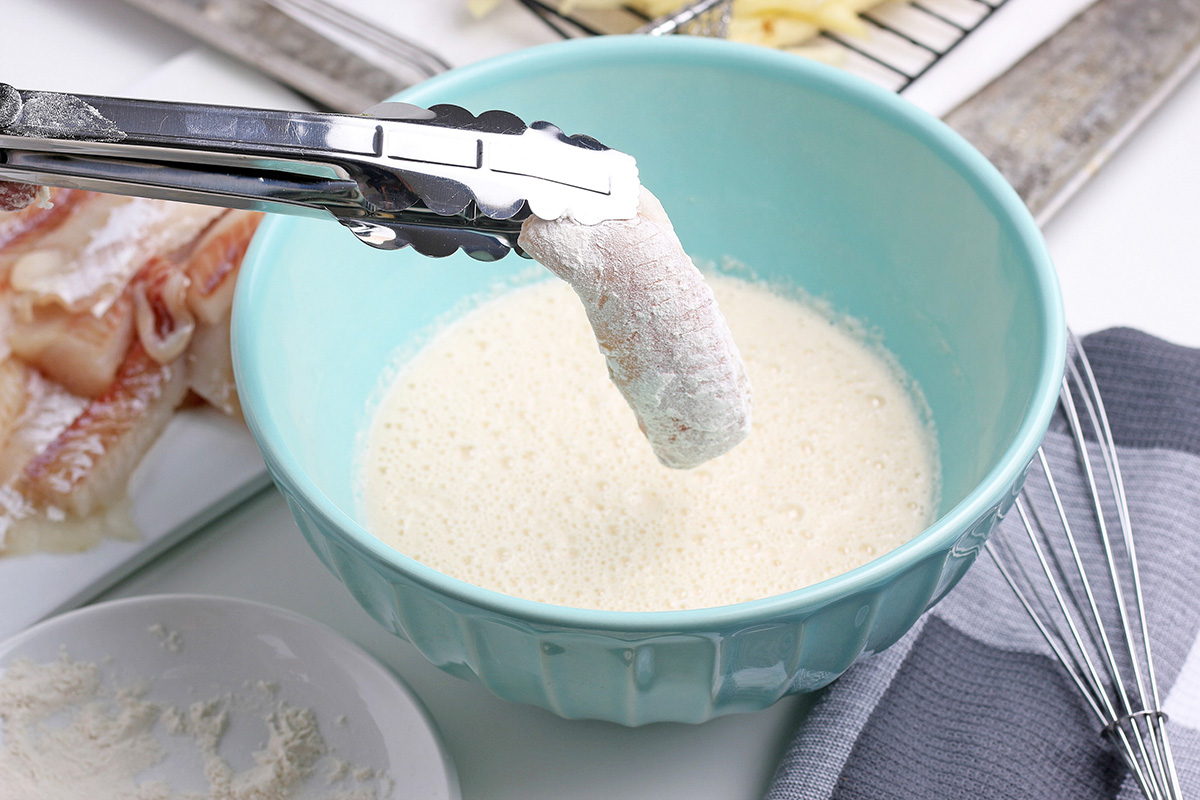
(170, 640)
(67, 734)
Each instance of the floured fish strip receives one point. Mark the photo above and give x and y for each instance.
(668, 347)
(212, 264)
(113, 311)
(87, 262)
(80, 351)
(86, 467)
(47, 409)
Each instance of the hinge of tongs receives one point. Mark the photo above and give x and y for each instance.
(437, 179)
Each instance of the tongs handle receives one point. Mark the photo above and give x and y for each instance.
(438, 179)
(200, 150)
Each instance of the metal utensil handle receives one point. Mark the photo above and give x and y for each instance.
(160, 130)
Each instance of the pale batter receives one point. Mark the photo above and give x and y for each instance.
(502, 455)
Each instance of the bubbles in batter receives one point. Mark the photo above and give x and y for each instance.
(502, 455)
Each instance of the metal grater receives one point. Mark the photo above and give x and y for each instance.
(1054, 119)
(292, 41)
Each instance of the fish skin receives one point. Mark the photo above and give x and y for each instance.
(164, 321)
(213, 263)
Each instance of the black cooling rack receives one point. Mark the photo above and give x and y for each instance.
(905, 38)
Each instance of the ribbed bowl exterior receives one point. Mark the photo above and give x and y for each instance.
(639, 678)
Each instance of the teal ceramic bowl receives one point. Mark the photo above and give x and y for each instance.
(810, 177)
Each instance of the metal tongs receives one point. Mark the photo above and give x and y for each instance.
(437, 179)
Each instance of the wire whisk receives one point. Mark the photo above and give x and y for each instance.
(1076, 574)
(702, 18)
(567, 19)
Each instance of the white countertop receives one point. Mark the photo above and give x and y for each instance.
(1126, 253)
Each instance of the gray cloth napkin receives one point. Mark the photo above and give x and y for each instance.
(969, 703)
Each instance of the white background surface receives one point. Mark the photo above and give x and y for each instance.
(1125, 248)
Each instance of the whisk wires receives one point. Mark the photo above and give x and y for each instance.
(1077, 577)
(702, 18)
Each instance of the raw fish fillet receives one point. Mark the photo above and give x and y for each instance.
(80, 351)
(212, 264)
(13, 377)
(210, 367)
(88, 465)
(114, 308)
(164, 321)
(86, 263)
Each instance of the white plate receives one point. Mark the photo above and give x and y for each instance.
(365, 714)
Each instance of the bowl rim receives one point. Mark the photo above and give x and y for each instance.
(936, 537)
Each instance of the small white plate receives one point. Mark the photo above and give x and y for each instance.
(193, 648)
